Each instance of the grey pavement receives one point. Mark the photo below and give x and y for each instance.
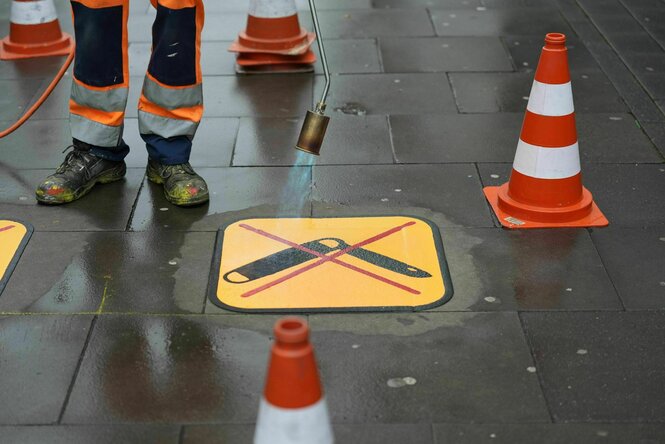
(552, 336)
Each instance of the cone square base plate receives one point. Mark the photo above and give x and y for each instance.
(392, 263)
(594, 219)
(274, 69)
(14, 237)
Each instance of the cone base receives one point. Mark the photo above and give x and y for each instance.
(515, 215)
(273, 47)
(14, 51)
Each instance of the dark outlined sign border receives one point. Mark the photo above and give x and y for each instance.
(4, 279)
(438, 244)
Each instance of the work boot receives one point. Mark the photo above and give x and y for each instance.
(77, 174)
(182, 186)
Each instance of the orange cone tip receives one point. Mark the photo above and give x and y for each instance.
(293, 409)
(545, 187)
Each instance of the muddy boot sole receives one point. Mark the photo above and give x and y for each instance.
(110, 176)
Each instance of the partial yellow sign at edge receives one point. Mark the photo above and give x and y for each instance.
(14, 237)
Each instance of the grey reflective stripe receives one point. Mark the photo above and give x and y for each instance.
(170, 98)
(94, 133)
(113, 100)
(165, 127)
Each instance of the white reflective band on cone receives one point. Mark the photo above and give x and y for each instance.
(547, 163)
(551, 100)
(33, 13)
(308, 425)
(272, 8)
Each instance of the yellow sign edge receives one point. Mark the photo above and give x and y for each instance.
(438, 243)
(4, 279)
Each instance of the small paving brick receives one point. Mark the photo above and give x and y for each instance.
(405, 4)
(234, 192)
(494, 269)
(635, 260)
(17, 200)
(549, 433)
(629, 195)
(656, 132)
(178, 369)
(491, 93)
(99, 434)
(616, 24)
(600, 367)
(213, 143)
(526, 50)
(646, 63)
(497, 22)
(451, 367)
(39, 358)
(653, 82)
(279, 96)
(603, 138)
(349, 140)
(444, 54)
(449, 195)
(350, 56)
(58, 273)
(151, 272)
(375, 23)
(634, 43)
(388, 94)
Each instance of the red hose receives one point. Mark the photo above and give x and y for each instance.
(42, 99)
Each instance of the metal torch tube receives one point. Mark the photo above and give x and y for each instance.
(320, 107)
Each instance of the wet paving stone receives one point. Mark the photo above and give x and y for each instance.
(100, 434)
(42, 68)
(196, 369)
(39, 358)
(525, 51)
(58, 273)
(497, 22)
(495, 269)
(404, 4)
(549, 433)
(375, 23)
(449, 195)
(213, 143)
(17, 95)
(491, 93)
(234, 192)
(635, 260)
(388, 94)
(277, 96)
(603, 138)
(628, 195)
(600, 366)
(17, 200)
(444, 54)
(349, 140)
(464, 367)
(346, 433)
(350, 56)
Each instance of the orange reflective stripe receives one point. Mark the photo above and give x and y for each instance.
(114, 118)
(179, 4)
(193, 113)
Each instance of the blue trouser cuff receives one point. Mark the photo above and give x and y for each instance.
(168, 151)
(115, 154)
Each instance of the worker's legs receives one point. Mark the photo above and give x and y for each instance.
(101, 76)
(171, 104)
(97, 103)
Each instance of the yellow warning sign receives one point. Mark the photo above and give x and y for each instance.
(14, 237)
(319, 264)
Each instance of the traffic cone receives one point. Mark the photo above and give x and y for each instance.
(545, 187)
(293, 409)
(34, 31)
(273, 37)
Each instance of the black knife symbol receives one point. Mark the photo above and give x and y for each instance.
(291, 257)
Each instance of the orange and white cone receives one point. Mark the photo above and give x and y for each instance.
(293, 409)
(273, 36)
(34, 31)
(545, 187)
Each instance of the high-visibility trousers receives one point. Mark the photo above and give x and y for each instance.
(171, 103)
